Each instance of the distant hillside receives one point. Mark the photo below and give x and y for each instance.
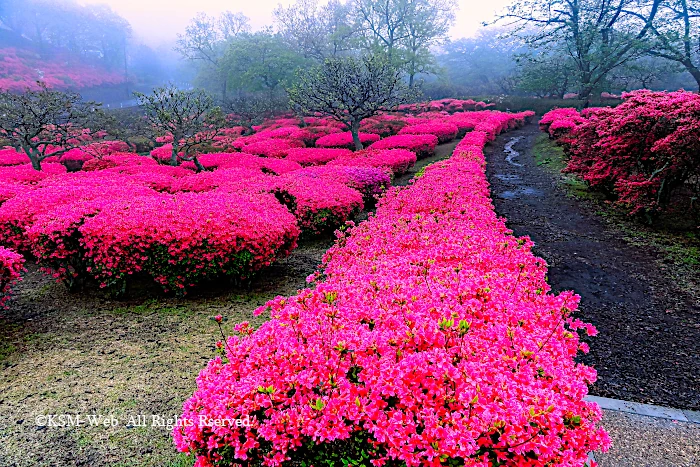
(20, 69)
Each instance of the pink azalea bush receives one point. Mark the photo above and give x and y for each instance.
(444, 131)
(11, 267)
(320, 205)
(316, 156)
(422, 145)
(370, 181)
(9, 156)
(395, 161)
(178, 246)
(430, 338)
(273, 147)
(344, 140)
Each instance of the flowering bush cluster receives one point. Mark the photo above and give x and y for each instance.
(370, 181)
(316, 156)
(422, 145)
(20, 69)
(395, 161)
(344, 140)
(644, 152)
(430, 339)
(11, 266)
(102, 213)
(444, 131)
(320, 205)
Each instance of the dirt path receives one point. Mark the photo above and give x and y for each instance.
(648, 343)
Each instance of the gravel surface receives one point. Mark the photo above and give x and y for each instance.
(640, 441)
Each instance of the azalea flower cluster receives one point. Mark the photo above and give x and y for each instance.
(430, 338)
(423, 145)
(126, 216)
(644, 152)
(11, 266)
(316, 156)
(344, 140)
(444, 131)
(395, 161)
(20, 69)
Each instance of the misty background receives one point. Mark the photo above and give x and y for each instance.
(109, 49)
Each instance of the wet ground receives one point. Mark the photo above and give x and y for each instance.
(649, 332)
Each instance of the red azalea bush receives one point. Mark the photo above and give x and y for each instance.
(396, 161)
(383, 125)
(422, 145)
(11, 266)
(444, 131)
(316, 156)
(430, 338)
(643, 152)
(344, 140)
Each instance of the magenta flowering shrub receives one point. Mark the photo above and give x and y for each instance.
(9, 156)
(290, 132)
(430, 338)
(163, 237)
(11, 267)
(444, 131)
(395, 161)
(344, 140)
(370, 181)
(557, 114)
(273, 147)
(422, 145)
(240, 160)
(316, 156)
(383, 125)
(319, 204)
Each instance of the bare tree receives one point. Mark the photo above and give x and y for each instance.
(598, 35)
(248, 109)
(317, 32)
(48, 123)
(206, 38)
(190, 117)
(383, 23)
(676, 33)
(427, 24)
(350, 90)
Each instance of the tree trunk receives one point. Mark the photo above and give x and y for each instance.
(36, 163)
(355, 130)
(410, 79)
(174, 155)
(200, 167)
(695, 72)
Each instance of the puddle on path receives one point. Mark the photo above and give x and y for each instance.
(512, 194)
(512, 153)
(515, 179)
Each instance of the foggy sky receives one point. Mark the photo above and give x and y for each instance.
(158, 21)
